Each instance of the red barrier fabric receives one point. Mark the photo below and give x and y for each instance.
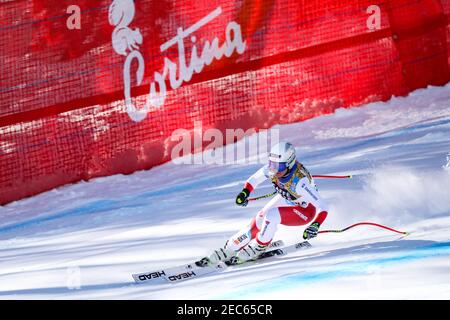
(105, 96)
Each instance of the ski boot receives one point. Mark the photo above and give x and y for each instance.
(220, 255)
(250, 252)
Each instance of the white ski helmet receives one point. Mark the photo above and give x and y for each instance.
(281, 157)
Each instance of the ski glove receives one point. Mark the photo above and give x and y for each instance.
(311, 231)
(242, 197)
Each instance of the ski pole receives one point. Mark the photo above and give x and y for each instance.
(262, 197)
(317, 176)
(362, 224)
(333, 177)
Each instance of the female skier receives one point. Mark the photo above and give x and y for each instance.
(296, 203)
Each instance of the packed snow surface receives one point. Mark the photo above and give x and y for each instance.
(84, 241)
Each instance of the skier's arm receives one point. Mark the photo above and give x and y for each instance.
(257, 178)
(310, 194)
(320, 218)
(313, 230)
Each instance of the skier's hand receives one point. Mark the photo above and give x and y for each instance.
(242, 197)
(311, 231)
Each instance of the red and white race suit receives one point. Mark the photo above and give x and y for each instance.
(296, 203)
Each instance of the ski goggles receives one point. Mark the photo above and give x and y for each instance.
(277, 166)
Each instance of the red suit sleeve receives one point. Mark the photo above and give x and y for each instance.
(249, 187)
(321, 217)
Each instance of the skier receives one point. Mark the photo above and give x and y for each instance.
(296, 203)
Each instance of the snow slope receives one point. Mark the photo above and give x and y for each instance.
(84, 241)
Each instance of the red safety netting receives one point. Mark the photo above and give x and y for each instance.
(62, 110)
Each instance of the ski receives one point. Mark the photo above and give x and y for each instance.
(286, 250)
(271, 253)
(186, 271)
(175, 274)
(192, 270)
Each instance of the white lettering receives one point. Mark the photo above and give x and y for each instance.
(74, 21)
(124, 39)
(374, 20)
